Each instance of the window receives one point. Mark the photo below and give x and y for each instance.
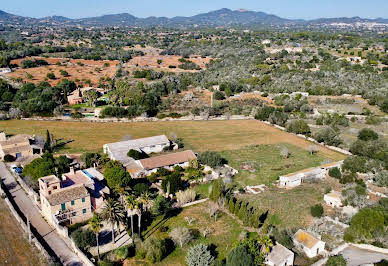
(72, 202)
(84, 211)
(63, 206)
(83, 199)
(54, 187)
(73, 214)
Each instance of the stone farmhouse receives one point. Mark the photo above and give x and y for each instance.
(280, 256)
(333, 199)
(118, 150)
(76, 97)
(148, 166)
(73, 199)
(20, 146)
(309, 244)
(295, 179)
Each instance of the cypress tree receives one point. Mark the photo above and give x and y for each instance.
(237, 207)
(47, 145)
(231, 205)
(243, 211)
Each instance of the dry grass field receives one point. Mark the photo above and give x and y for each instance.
(197, 135)
(14, 248)
(78, 69)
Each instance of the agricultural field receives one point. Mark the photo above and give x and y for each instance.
(79, 70)
(197, 135)
(291, 206)
(14, 248)
(266, 163)
(224, 232)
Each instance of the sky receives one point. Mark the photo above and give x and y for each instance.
(304, 9)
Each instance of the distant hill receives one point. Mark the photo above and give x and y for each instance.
(217, 18)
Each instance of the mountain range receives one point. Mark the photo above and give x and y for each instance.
(223, 17)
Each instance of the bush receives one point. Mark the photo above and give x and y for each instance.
(140, 188)
(121, 253)
(50, 75)
(354, 164)
(298, 127)
(328, 136)
(199, 255)
(335, 172)
(137, 155)
(316, 210)
(112, 111)
(8, 158)
(211, 158)
(336, 261)
(367, 134)
(153, 249)
(161, 205)
(186, 196)
(218, 95)
(172, 183)
(181, 236)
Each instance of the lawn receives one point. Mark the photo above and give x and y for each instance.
(269, 164)
(292, 206)
(14, 248)
(197, 135)
(225, 232)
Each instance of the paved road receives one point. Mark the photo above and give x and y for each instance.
(356, 256)
(57, 244)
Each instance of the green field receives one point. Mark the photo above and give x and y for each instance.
(225, 232)
(270, 164)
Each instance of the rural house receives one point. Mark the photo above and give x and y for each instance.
(20, 146)
(148, 166)
(309, 244)
(333, 199)
(280, 256)
(64, 205)
(73, 199)
(290, 180)
(76, 97)
(118, 150)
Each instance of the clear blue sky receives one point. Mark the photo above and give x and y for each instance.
(305, 9)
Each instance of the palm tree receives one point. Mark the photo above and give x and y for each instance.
(96, 224)
(132, 206)
(146, 200)
(113, 212)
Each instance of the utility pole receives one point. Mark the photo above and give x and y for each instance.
(28, 228)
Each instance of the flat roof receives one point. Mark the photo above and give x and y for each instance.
(279, 254)
(305, 239)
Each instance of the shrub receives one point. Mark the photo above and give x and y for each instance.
(264, 113)
(140, 188)
(199, 255)
(84, 239)
(121, 253)
(181, 236)
(8, 158)
(172, 183)
(161, 205)
(153, 249)
(211, 158)
(316, 210)
(218, 95)
(186, 196)
(50, 75)
(328, 136)
(354, 164)
(366, 134)
(298, 127)
(335, 172)
(336, 261)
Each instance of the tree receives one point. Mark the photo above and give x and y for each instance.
(213, 210)
(48, 143)
(211, 158)
(172, 183)
(367, 134)
(153, 249)
(298, 127)
(216, 190)
(50, 75)
(8, 158)
(284, 152)
(239, 256)
(365, 225)
(199, 255)
(218, 95)
(337, 260)
(335, 172)
(133, 209)
(113, 212)
(160, 206)
(312, 149)
(316, 210)
(116, 175)
(95, 225)
(62, 164)
(40, 167)
(181, 236)
(328, 136)
(137, 155)
(354, 164)
(83, 239)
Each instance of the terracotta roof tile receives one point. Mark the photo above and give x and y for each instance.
(168, 159)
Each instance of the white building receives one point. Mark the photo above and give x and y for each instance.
(5, 70)
(118, 150)
(280, 256)
(309, 244)
(333, 199)
(290, 181)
